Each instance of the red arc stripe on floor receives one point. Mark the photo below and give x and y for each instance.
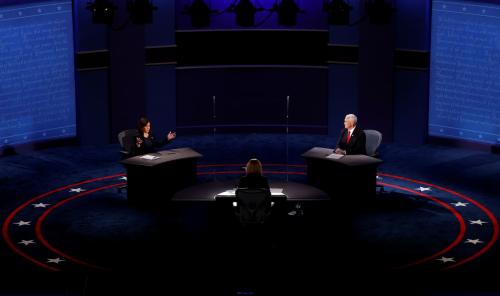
(490, 215)
(8, 220)
(457, 215)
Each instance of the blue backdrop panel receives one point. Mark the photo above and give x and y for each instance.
(465, 70)
(37, 87)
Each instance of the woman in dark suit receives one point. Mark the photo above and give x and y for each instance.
(253, 178)
(146, 142)
(253, 205)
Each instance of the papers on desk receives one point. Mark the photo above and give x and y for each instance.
(149, 157)
(277, 191)
(227, 193)
(232, 192)
(335, 156)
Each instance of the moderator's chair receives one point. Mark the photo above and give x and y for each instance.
(126, 139)
(373, 141)
(253, 206)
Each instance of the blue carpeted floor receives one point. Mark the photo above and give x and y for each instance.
(177, 245)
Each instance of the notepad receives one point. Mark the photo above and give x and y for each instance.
(335, 156)
(232, 192)
(277, 191)
(149, 157)
(227, 193)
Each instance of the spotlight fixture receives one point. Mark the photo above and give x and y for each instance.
(200, 13)
(103, 11)
(287, 12)
(141, 11)
(245, 13)
(338, 12)
(379, 11)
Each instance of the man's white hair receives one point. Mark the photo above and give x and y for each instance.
(353, 117)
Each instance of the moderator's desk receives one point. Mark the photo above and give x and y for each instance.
(210, 192)
(352, 176)
(150, 181)
(315, 202)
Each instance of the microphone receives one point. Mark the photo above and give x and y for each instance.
(213, 105)
(287, 105)
(214, 115)
(287, 112)
(214, 131)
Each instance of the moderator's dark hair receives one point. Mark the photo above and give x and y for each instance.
(254, 167)
(141, 124)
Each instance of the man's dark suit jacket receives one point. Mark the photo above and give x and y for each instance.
(357, 144)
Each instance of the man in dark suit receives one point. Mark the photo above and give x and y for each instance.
(352, 139)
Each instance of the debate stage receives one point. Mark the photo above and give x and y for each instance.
(405, 231)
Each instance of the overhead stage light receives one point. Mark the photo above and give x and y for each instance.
(338, 12)
(200, 13)
(141, 11)
(245, 13)
(103, 11)
(287, 12)
(379, 11)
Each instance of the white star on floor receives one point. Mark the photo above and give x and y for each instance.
(123, 178)
(22, 223)
(460, 204)
(422, 189)
(446, 259)
(26, 242)
(55, 260)
(41, 205)
(478, 222)
(77, 190)
(474, 241)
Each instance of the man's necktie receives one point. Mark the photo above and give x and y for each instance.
(348, 136)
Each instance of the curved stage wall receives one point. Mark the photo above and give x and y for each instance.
(239, 80)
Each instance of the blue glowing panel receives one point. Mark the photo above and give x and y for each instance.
(311, 15)
(37, 85)
(464, 100)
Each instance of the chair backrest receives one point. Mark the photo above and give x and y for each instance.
(373, 140)
(125, 138)
(253, 205)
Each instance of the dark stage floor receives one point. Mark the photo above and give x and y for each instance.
(68, 229)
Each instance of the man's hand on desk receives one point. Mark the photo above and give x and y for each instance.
(340, 151)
